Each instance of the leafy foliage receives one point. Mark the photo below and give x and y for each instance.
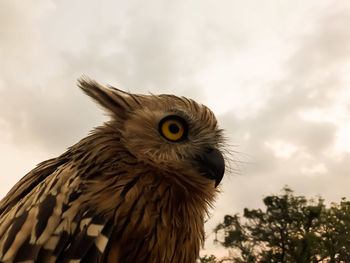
(208, 259)
(290, 229)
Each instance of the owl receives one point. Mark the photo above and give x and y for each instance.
(136, 189)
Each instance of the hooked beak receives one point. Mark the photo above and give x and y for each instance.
(212, 165)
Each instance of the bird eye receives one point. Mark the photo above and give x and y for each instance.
(173, 128)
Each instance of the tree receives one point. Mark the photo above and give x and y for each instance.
(208, 259)
(290, 229)
(336, 231)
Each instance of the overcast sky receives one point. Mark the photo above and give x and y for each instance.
(276, 73)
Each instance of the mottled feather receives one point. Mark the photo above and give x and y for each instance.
(122, 194)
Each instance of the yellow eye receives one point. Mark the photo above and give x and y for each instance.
(173, 128)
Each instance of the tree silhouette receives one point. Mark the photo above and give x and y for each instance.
(290, 229)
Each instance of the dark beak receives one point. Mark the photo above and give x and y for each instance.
(212, 165)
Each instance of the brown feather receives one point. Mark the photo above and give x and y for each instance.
(122, 194)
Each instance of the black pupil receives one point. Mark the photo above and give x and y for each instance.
(174, 128)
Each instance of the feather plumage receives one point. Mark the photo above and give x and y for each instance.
(123, 193)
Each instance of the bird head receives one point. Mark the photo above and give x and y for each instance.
(174, 134)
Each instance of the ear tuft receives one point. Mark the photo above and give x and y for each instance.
(114, 101)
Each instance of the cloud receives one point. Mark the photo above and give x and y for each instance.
(311, 79)
(324, 47)
(262, 66)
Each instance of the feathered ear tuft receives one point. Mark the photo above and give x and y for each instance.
(111, 99)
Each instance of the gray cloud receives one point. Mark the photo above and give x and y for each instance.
(163, 48)
(311, 77)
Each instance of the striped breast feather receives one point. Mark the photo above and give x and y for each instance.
(31, 180)
(50, 224)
